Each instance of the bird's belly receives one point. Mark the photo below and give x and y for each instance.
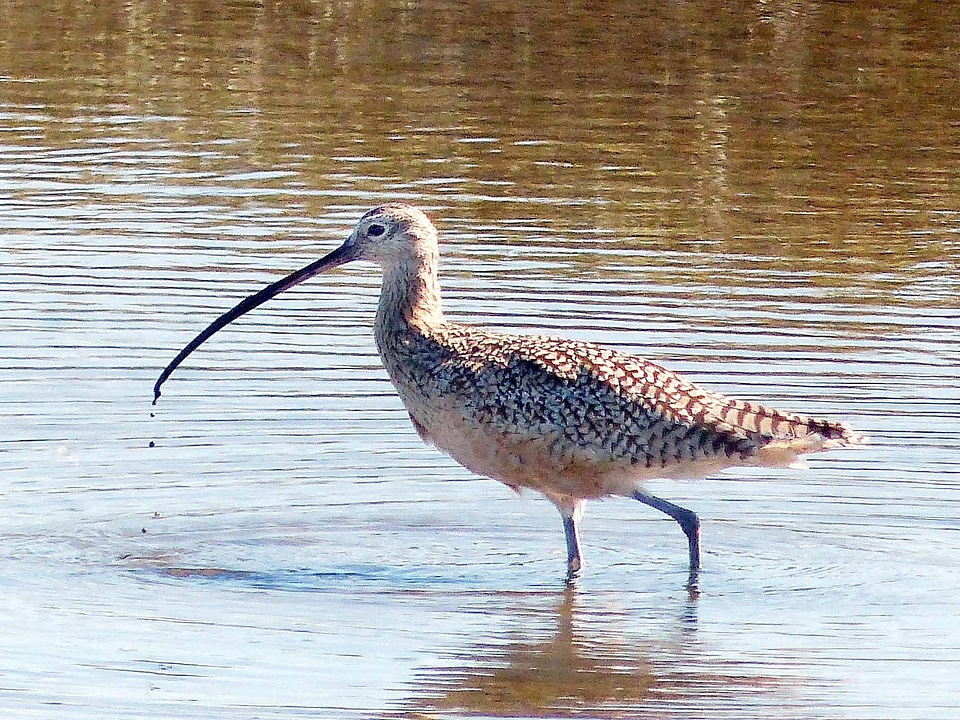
(544, 461)
(519, 461)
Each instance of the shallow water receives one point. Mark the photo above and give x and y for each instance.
(767, 199)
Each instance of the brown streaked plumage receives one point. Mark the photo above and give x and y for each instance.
(572, 420)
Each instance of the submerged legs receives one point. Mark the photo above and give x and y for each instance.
(688, 520)
(572, 513)
(574, 558)
(571, 510)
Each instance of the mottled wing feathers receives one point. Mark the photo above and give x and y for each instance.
(606, 402)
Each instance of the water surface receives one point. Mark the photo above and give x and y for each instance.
(765, 198)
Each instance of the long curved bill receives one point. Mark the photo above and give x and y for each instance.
(340, 256)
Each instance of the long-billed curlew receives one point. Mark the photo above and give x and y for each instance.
(572, 420)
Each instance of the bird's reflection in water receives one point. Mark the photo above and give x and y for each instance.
(588, 664)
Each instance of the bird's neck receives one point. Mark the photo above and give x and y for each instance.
(410, 298)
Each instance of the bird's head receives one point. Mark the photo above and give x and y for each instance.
(392, 234)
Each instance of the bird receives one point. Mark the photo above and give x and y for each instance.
(573, 420)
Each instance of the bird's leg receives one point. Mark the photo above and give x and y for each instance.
(688, 520)
(571, 514)
(574, 558)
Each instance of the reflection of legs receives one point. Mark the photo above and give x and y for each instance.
(571, 513)
(689, 523)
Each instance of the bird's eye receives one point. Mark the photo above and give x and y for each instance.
(375, 230)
